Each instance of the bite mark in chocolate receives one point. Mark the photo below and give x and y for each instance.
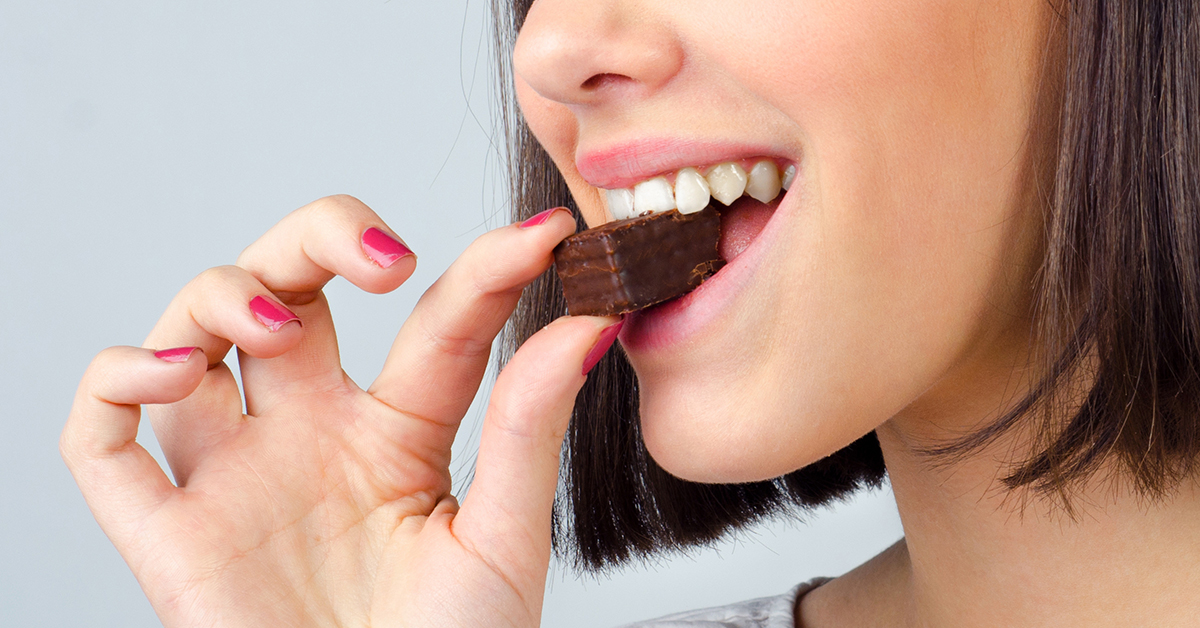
(632, 264)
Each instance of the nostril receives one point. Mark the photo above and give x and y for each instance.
(603, 80)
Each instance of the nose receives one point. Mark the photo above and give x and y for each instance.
(580, 52)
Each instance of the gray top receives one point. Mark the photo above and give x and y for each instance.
(764, 612)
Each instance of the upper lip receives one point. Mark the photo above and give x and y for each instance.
(625, 164)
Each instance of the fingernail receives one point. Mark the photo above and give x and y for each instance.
(180, 354)
(272, 315)
(606, 339)
(382, 248)
(540, 218)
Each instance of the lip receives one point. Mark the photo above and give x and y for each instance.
(667, 325)
(625, 164)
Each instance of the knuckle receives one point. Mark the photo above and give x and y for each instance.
(102, 359)
(517, 410)
(491, 267)
(98, 372)
(217, 281)
(66, 447)
(217, 276)
(338, 208)
(71, 447)
(508, 419)
(487, 273)
(455, 345)
(490, 279)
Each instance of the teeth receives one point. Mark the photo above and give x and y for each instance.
(653, 196)
(789, 175)
(620, 203)
(727, 182)
(764, 184)
(691, 191)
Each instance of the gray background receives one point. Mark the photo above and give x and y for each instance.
(143, 141)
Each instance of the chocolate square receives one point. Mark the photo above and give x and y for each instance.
(631, 264)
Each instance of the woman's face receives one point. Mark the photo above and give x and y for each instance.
(892, 275)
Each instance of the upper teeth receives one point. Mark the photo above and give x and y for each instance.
(691, 193)
(727, 182)
(764, 182)
(789, 175)
(654, 195)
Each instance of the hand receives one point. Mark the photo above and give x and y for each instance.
(324, 504)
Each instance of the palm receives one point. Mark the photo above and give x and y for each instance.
(293, 509)
(327, 504)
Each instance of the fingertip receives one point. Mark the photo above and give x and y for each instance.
(583, 324)
(602, 329)
(546, 216)
(555, 224)
(133, 376)
(276, 330)
(382, 263)
(384, 249)
(604, 341)
(177, 355)
(272, 314)
(118, 381)
(550, 366)
(384, 279)
(600, 322)
(189, 360)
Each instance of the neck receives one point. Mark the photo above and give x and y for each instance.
(975, 555)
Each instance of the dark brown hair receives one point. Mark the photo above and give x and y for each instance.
(1117, 303)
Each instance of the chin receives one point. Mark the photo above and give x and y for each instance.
(708, 439)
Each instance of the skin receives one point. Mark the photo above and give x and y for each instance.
(326, 504)
(893, 295)
(890, 295)
(907, 241)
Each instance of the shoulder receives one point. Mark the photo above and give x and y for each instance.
(765, 612)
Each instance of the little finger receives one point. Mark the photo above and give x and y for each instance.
(120, 480)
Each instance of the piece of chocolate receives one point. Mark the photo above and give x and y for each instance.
(630, 264)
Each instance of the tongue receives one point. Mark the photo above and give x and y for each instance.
(741, 223)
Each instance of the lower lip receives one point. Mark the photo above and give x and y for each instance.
(676, 321)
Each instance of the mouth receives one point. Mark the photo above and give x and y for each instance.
(746, 193)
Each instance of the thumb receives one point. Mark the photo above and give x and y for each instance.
(507, 512)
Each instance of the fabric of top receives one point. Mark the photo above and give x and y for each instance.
(764, 612)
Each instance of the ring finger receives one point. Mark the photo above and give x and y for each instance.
(221, 307)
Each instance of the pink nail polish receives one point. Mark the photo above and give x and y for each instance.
(180, 354)
(382, 248)
(606, 339)
(270, 314)
(540, 218)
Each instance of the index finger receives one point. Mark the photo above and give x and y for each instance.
(441, 353)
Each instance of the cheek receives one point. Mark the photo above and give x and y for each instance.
(922, 143)
(556, 129)
(552, 123)
(915, 115)
(914, 119)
